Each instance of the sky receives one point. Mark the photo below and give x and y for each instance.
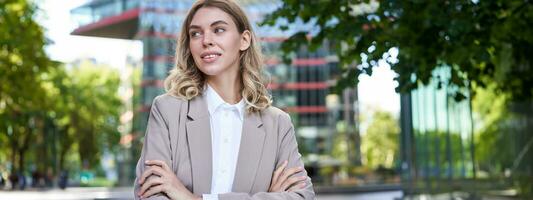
(58, 24)
(375, 92)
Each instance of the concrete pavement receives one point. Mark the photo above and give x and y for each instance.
(101, 193)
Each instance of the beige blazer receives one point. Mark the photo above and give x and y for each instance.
(178, 133)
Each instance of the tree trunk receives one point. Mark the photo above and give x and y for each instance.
(62, 154)
(65, 145)
(22, 150)
(13, 155)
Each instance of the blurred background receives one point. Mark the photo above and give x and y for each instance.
(390, 99)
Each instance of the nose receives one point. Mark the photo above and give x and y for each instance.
(208, 39)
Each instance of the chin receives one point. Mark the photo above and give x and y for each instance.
(211, 70)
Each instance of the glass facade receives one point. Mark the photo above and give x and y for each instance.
(437, 134)
(96, 10)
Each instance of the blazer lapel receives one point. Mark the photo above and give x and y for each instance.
(250, 150)
(199, 138)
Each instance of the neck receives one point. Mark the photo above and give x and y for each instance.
(230, 91)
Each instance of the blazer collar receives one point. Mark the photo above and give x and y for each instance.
(198, 108)
(250, 153)
(198, 132)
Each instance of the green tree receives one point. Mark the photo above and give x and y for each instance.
(46, 110)
(94, 114)
(491, 114)
(506, 125)
(380, 142)
(483, 41)
(82, 112)
(22, 62)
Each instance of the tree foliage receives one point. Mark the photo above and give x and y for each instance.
(47, 110)
(504, 143)
(86, 110)
(22, 61)
(380, 142)
(510, 131)
(484, 41)
(95, 110)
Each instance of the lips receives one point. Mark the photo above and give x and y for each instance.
(209, 57)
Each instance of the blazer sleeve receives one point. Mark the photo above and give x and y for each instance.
(288, 150)
(156, 146)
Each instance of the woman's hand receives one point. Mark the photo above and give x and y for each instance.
(281, 181)
(159, 178)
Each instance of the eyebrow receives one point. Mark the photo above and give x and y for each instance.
(212, 24)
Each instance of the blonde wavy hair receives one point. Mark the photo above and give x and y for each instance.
(187, 81)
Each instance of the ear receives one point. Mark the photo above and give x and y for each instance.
(246, 38)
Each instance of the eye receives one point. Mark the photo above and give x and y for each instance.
(195, 34)
(219, 30)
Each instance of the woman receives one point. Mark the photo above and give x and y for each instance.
(214, 134)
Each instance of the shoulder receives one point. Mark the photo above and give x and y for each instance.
(167, 102)
(273, 111)
(167, 107)
(167, 99)
(276, 116)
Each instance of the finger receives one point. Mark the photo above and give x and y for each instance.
(153, 190)
(151, 182)
(297, 186)
(150, 171)
(292, 181)
(278, 172)
(287, 173)
(158, 163)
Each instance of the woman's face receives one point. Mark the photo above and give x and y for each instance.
(215, 42)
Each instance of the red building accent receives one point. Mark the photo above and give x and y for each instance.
(309, 61)
(298, 62)
(306, 109)
(156, 83)
(272, 39)
(298, 86)
(159, 58)
(112, 26)
(144, 108)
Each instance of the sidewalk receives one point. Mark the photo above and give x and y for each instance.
(126, 193)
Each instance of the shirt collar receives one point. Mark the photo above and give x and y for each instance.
(214, 101)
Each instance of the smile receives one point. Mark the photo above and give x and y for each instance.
(211, 57)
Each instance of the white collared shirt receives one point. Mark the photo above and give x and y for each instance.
(226, 122)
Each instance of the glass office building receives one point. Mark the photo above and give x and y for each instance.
(437, 137)
(300, 88)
